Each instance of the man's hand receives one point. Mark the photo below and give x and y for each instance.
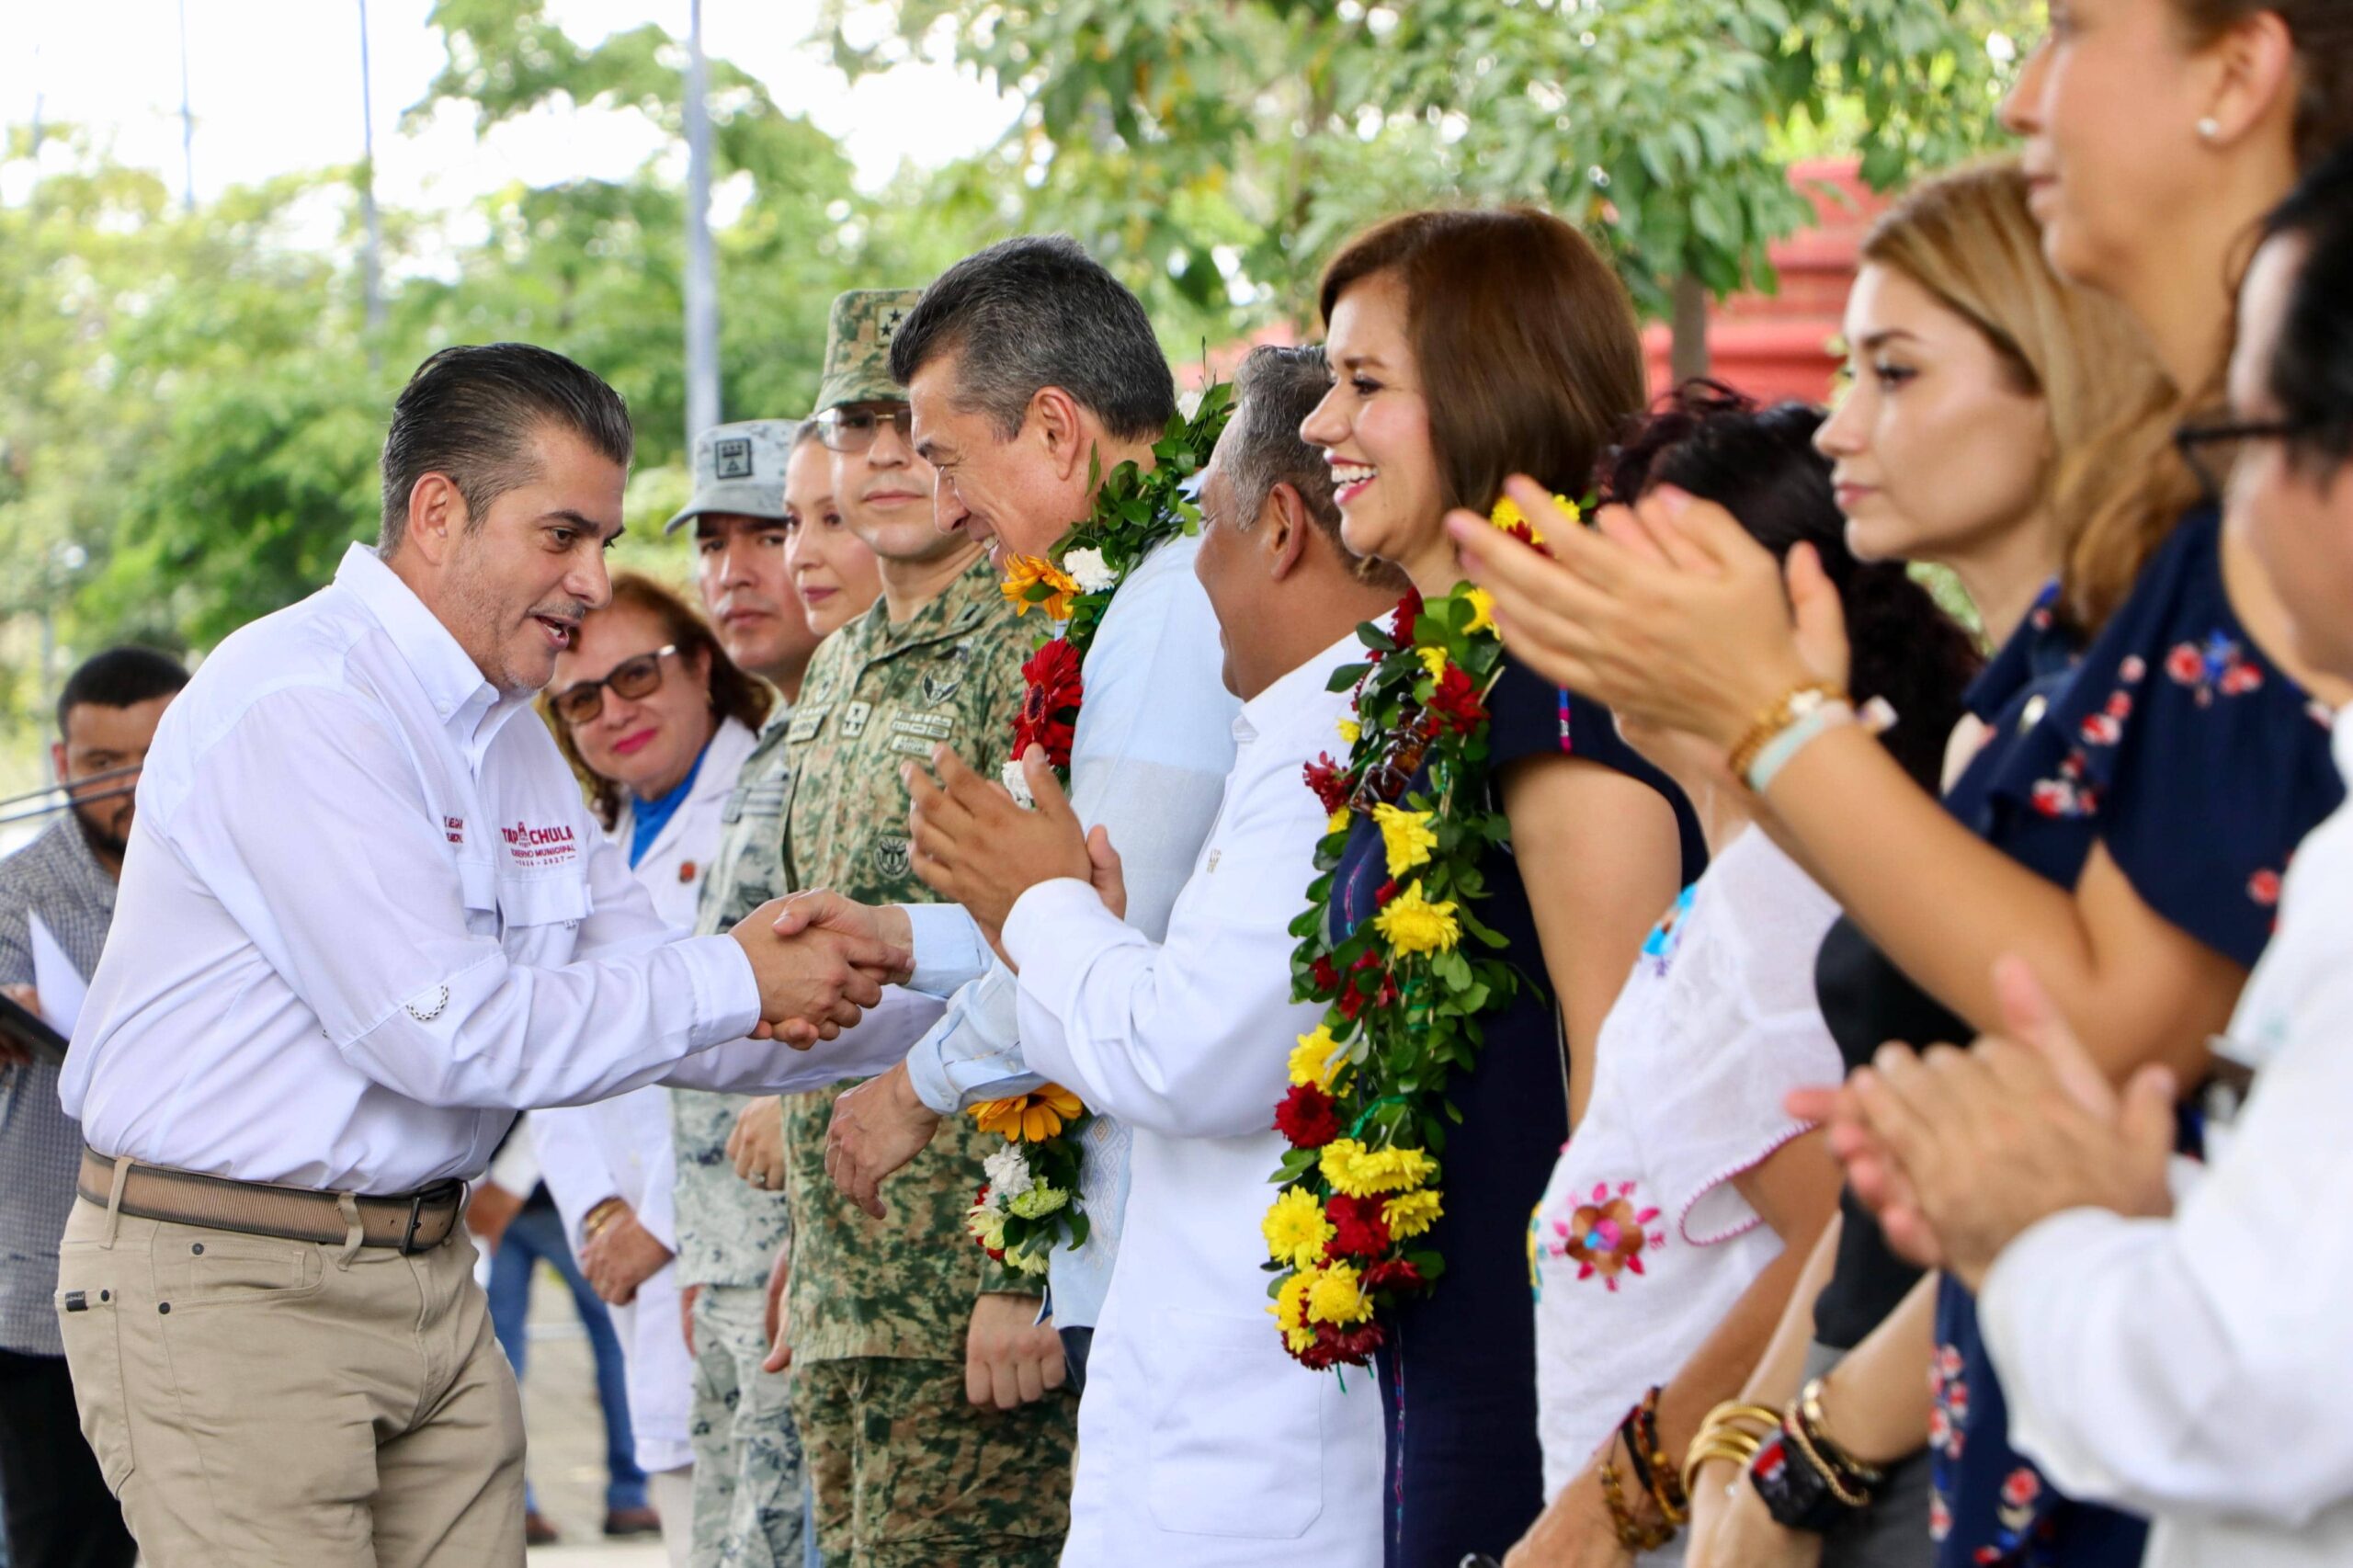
(24, 996)
(876, 1128)
(1105, 870)
(757, 1144)
(974, 847)
(686, 1299)
(814, 984)
(621, 1257)
(1989, 1140)
(1010, 1358)
(823, 909)
(489, 1211)
(779, 1324)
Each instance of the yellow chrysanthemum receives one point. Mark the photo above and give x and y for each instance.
(1295, 1229)
(1289, 1309)
(1483, 610)
(1031, 1118)
(1433, 660)
(1337, 1296)
(1406, 835)
(1411, 1213)
(1338, 822)
(1508, 516)
(1349, 730)
(1025, 571)
(1315, 1059)
(1355, 1171)
(1411, 924)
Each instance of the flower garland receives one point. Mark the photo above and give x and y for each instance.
(1366, 1113)
(1030, 1205)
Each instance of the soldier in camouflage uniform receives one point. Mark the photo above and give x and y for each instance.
(750, 1491)
(907, 1471)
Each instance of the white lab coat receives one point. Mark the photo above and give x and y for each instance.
(621, 1147)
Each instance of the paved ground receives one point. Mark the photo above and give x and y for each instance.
(567, 1462)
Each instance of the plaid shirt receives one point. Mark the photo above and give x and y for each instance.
(40, 1146)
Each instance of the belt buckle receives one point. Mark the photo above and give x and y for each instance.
(415, 1215)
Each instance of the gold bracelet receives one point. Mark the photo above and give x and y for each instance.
(1818, 1430)
(1833, 1476)
(1740, 1449)
(599, 1217)
(1783, 712)
(1635, 1535)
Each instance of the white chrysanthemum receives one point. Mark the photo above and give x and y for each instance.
(1008, 1175)
(1089, 571)
(1017, 784)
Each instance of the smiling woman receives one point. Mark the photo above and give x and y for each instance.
(635, 704)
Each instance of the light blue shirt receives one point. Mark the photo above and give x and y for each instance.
(1153, 745)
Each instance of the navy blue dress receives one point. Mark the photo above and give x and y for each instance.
(2199, 766)
(1458, 1374)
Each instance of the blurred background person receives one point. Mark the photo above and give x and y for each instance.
(60, 1512)
(833, 571)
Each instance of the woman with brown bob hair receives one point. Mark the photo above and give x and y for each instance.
(1466, 346)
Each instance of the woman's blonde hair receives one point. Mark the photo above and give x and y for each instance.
(2115, 486)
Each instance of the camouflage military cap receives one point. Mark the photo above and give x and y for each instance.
(858, 346)
(739, 467)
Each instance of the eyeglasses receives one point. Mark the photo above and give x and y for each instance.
(641, 676)
(853, 429)
(2211, 447)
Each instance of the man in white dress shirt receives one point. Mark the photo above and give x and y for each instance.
(364, 918)
(1202, 1442)
(1030, 371)
(2170, 1343)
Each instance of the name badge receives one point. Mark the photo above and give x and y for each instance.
(929, 728)
(806, 721)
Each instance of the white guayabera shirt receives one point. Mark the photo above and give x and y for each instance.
(2200, 1369)
(1202, 1442)
(366, 916)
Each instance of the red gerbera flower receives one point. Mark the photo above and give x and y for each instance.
(1359, 1230)
(1385, 893)
(1326, 977)
(1331, 785)
(1409, 610)
(1308, 1116)
(1050, 706)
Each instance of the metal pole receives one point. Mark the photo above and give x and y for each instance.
(371, 274)
(187, 124)
(703, 295)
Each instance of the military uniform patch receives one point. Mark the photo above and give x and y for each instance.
(731, 458)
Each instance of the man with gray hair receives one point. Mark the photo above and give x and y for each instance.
(1201, 1442)
(1031, 373)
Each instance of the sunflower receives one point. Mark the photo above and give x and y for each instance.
(1025, 574)
(1031, 1118)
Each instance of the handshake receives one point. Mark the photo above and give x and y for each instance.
(816, 978)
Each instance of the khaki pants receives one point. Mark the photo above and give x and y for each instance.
(257, 1402)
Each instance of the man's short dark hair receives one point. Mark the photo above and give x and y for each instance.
(2311, 360)
(473, 412)
(120, 678)
(1039, 311)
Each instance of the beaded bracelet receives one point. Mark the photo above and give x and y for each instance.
(1785, 710)
(1667, 1487)
(1635, 1535)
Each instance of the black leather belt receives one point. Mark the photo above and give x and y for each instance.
(411, 1222)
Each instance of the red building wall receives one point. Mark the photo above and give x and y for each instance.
(1780, 345)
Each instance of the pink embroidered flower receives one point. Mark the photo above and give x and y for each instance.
(2264, 888)
(2101, 729)
(1957, 1400)
(1939, 1518)
(1608, 1235)
(2131, 668)
(2021, 1487)
(1948, 1360)
(2183, 665)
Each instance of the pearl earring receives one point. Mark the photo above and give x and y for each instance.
(2209, 128)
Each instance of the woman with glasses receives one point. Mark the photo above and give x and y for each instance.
(657, 722)
(2122, 830)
